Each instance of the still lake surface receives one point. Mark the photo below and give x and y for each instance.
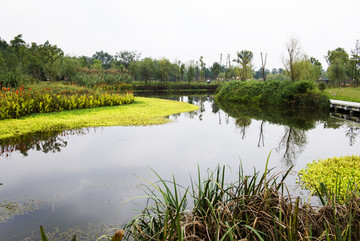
(86, 179)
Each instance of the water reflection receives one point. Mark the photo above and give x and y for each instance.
(292, 144)
(295, 123)
(41, 141)
(352, 133)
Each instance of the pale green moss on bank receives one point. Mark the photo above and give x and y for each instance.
(144, 111)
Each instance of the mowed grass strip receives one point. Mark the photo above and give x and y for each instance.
(347, 93)
(144, 111)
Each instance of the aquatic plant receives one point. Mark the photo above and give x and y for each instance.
(338, 176)
(144, 111)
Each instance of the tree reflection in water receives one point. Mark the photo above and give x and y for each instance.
(243, 123)
(41, 141)
(295, 123)
(352, 133)
(293, 143)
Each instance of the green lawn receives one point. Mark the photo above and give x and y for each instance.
(347, 94)
(144, 111)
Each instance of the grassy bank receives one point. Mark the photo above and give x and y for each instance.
(143, 111)
(347, 94)
(284, 93)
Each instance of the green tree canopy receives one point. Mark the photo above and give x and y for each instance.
(244, 58)
(125, 57)
(190, 72)
(105, 58)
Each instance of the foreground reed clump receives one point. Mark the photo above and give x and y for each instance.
(257, 207)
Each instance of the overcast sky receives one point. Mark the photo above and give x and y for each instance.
(186, 29)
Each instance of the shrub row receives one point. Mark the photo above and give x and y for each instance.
(299, 93)
(172, 86)
(15, 103)
(119, 87)
(93, 79)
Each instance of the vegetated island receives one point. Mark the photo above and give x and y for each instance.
(292, 94)
(143, 111)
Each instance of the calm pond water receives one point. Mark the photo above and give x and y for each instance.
(86, 179)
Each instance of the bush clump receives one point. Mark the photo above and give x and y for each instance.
(295, 94)
(339, 175)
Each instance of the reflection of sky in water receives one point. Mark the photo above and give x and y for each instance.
(95, 174)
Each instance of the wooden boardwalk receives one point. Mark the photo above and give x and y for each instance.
(345, 105)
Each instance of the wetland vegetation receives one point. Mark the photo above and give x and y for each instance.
(44, 93)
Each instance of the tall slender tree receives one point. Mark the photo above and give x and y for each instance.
(263, 65)
(244, 58)
(294, 52)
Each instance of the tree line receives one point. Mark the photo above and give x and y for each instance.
(28, 62)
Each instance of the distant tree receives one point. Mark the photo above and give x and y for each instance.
(294, 55)
(355, 64)
(85, 61)
(230, 73)
(18, 47)
(69, 67)
(208, 74)
(258, 74)
(281, 77)
(197, 70)
(190, 72)
(182, 71)
(215, 70)
(96, 64)
(244, 58)
(338, 61)
(263, 65)
(125, 57)
(337, 54)
(337, 71)
(176, 67)
(202, 68)
(146, 69)
(315, 62)
(105, 58)
(274, 71)
(163, 69)
(308, 70)
(3, 45)
(34, 62)
(51, 56)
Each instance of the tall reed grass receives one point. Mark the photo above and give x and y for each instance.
(255, 207)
